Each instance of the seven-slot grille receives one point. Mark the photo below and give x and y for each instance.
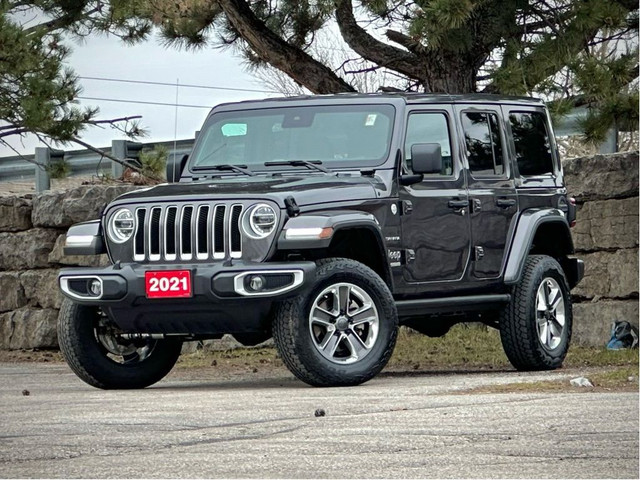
(187, 232)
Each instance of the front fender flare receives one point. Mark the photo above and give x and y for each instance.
(85, 239)
(315, 222)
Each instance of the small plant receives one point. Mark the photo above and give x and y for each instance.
(58, 168)
(154, 161)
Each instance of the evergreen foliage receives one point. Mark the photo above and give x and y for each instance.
(154, 161)
(38, 91)
(570, 52)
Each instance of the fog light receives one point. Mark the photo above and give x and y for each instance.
(256, 283)
(95, 287)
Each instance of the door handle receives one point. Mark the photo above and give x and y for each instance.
(506, 202)
(458, 203)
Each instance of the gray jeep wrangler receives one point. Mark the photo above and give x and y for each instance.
(326, 222)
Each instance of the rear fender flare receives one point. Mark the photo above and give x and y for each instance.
(528, 224)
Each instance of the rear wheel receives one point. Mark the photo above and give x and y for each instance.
(535, 327)
(342, 331)
(102, 357)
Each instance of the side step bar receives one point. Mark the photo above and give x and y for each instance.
(409, 308)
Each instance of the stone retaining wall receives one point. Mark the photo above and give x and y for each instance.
(32, 232)
(606, 238)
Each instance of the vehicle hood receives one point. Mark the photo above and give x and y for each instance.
(306, 190)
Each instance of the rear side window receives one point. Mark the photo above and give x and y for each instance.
(484, 144)
(531, 139)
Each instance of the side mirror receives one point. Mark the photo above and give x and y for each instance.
(175, 167)
(426, 158)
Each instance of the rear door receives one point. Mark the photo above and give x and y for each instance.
(492, 195)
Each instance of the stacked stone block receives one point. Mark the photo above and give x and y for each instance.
(606, 238)
(32, 231)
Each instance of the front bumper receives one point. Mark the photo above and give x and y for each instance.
(221, 300)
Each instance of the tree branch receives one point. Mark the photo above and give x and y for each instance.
(372, 49)
(406, 41)
(296, 63)
(114, 159)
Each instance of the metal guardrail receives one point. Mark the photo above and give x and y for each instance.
(82, 162)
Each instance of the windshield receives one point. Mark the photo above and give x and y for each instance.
(338, 136)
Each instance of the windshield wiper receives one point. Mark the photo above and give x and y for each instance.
(226, 166)
(310, 164)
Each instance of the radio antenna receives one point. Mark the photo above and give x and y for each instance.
(175, 129)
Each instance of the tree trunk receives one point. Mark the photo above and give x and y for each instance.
(446, 73)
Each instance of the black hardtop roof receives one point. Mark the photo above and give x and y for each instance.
(408, 98)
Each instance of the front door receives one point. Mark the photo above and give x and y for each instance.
(492, 195)
(435, 212)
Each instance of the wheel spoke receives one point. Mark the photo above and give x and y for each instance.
(356, 346)
(330, 331)
(331, 345)
(318, 315)
(543, 331)
(555, 328)
(541, 303)
(344, 293)
(548, 340)
(367, 315)
(547, 293)
(559, 324)
(359, 311)
(557, 298)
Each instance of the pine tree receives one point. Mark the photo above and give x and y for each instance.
(535, 47)
(38, 92)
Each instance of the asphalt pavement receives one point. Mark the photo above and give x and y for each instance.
(396, 426)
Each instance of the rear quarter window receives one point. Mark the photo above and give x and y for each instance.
(532, 144)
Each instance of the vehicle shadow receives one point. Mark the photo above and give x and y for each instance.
(203, 381)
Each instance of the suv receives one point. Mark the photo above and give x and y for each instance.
(326, 222)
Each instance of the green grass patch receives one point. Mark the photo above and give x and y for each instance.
(469, 346)
(611, 379)
(478, 346)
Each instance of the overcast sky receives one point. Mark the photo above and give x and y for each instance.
(107, 57)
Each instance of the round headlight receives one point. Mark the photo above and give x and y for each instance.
(260, 221)
(121, 225)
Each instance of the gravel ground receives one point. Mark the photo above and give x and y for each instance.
(411, 425)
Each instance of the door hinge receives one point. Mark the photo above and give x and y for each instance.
(407, 207)
(409, 255)
(476, 205)
(478, 253)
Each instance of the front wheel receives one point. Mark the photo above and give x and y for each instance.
(535, 328)
(104, 358)
(342, 331)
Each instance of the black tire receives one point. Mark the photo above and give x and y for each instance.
(296, 339)
(522, 322)
(90, 359)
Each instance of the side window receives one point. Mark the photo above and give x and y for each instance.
(531, 139)
(429, 127)
(484, 144)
